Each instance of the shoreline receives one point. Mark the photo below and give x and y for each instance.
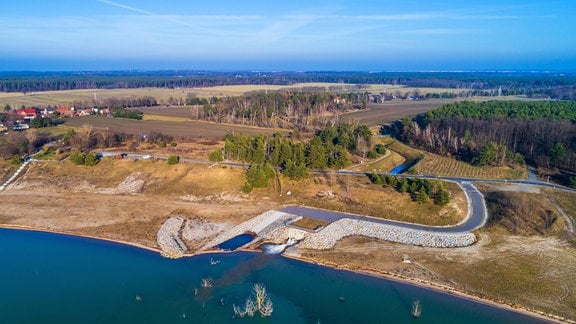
(438, 287)
(369, 272)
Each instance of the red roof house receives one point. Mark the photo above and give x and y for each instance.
(27, 114)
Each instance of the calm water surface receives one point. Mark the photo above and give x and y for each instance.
(50, 278)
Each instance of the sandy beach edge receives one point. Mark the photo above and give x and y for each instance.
(369, 272)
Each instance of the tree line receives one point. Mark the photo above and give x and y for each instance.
(538, 85)
(542, 133)
(134, 102)
(557, 110)
(330, 147)
(299, 110)
(420, 190)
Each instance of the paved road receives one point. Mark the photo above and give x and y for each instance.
(477, 213)
(475, 219)
(534, 182)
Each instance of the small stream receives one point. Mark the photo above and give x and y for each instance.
(401, 168)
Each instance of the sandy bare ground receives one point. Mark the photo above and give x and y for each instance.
(121, 216)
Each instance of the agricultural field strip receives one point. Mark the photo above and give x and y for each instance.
(67, 97)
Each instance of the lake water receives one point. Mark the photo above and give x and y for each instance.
(236, 242)
(51, 278)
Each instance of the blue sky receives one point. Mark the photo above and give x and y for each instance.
(365, 35)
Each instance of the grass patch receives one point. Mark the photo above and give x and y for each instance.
(409, 153)
(48, 154)
(161, 178)
(310, 223)
(358, 196)
(382, 164)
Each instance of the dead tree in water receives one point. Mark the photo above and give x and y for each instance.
(416, 309)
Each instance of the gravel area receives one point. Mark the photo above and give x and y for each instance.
(327, 238)
(169, 240)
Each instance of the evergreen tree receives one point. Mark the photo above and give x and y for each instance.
(259, 175)
(258, 152)
(339, 158)
(316, 154)
(295, 171)
(557, 153)
(285, 153)
(421, 197)
(442, 197)
(402, 185)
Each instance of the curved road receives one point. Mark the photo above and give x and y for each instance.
(477, 212)
(476, 217)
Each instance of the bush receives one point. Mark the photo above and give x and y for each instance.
(77, 157)
(247, 188)
(376, 178)
(16, 160)
(91, 159)
(173, 159)
(380, 148)
(572, 182)
(371, 154)
(215, 156)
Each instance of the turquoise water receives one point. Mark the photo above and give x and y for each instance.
(50, 278)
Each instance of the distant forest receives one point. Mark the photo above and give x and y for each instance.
(300, 110)
(542, 133)
(533, 85)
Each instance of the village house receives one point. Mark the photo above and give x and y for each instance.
(27, 114)
(65, 111)
(48, 111)
(85, 112)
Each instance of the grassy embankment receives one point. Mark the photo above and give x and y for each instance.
(434, 164)
(528, 260)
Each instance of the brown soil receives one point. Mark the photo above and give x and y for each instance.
(179, 129)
